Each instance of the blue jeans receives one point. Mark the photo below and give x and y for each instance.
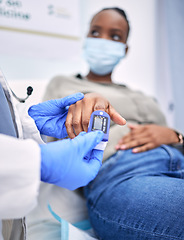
(139, 196)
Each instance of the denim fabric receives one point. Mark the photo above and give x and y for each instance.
(139, 196)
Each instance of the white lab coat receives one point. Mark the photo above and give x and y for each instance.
(19, 166)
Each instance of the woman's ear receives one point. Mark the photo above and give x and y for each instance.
(126, 50)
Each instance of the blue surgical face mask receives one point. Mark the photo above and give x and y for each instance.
(103, 55)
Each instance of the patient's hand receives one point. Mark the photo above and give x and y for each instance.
(79, 113)
(145, 137)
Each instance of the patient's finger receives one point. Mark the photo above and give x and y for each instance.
(76, 120)
(86, 114)
(101, 104)
(133, 126)
(69, 122)
(133, 135)
(144, 148)
(134, 143)
(120, 142)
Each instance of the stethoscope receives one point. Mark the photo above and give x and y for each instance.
(22, 100)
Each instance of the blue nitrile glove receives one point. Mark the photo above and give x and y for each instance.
(71, 163)
(50, 116)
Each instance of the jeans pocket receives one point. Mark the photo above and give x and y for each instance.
(176, 164)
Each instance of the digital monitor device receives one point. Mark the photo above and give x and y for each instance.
(100, 120)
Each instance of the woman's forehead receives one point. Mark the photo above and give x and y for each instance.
(109, 17)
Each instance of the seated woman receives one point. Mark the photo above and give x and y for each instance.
(138, 193)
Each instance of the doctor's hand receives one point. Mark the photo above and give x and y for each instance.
(79, 113)
(50, 116)
(146, 137)
(71, 163)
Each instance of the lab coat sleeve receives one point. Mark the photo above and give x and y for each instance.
(28, 127)
(19, 176)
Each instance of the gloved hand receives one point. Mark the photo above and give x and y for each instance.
(50, 116)
(71, 163)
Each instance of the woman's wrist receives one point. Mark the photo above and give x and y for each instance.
(180, 137)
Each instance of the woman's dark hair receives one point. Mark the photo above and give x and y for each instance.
(120, 11)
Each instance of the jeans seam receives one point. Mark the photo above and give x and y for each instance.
(182, 173)
(136, 229)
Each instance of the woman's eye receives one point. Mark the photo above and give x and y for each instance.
(95, 33)
(116, 37)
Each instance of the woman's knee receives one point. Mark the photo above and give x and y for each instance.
(146, 204)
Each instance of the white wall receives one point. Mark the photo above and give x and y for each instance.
(170, 50)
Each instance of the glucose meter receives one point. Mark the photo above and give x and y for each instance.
(100, 120)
